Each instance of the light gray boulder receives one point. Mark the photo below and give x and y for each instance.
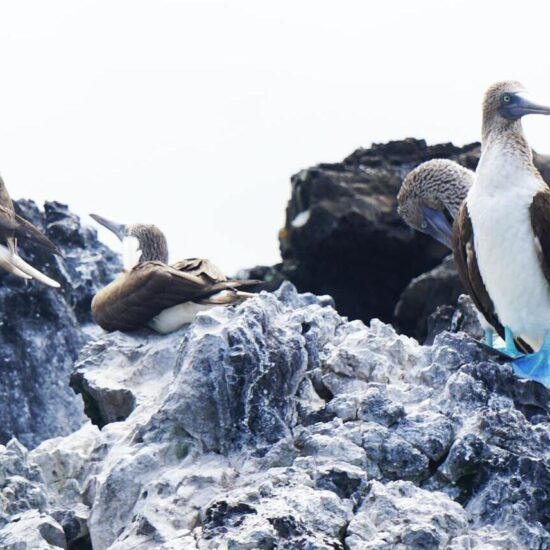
(279, 424)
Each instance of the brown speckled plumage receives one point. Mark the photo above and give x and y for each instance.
(440, 184)
(12, 226)
(152, 242)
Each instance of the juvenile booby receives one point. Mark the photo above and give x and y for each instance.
(502, 232)
(151, 293)
(431, 195)
(13, 226)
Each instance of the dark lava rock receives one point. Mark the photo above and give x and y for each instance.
(41, 331)
(424, 294)
(462, 318)
(342, 234)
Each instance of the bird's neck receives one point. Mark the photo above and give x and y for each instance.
(509, 137)
(131, 252)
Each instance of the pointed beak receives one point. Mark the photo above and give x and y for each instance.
(437, 226)
(522, 105)
(119, 229)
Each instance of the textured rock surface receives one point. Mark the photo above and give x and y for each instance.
(424, 294)
(41, 328)
(279, 424)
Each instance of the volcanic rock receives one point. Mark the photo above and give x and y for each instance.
(279, 424)
(43, 329)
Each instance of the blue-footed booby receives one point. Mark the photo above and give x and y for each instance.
(502, 232)
(13, 226)
(152, 293)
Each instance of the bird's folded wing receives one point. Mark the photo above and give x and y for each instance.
(201, 268)
(540, 220)
(468, 270)
(21, 227)
(136, 297)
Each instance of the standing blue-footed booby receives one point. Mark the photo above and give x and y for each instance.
(502, 232)
(151, 293)
(13, 226)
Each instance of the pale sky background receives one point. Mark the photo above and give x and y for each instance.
(193, 114)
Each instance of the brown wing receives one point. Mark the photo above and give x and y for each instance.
(136, 297)
(202, 268)
(23, 228)
(210, 273)
(540, 220)
(466, 261)
(15, 225)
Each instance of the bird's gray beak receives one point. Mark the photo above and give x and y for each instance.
(437, 226)
(521, 105)
(119, 229)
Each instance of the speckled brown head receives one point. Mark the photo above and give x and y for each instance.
(141, 242)
(431, 195)
(504, 104)
(152, 242)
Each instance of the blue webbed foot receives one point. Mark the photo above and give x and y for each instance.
(509, 344)
(535, 366)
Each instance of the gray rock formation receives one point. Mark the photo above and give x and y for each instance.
(279, 424)
(42, 329)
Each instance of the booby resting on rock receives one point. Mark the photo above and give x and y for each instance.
(151, 293)
(502, 232)
(13, 226)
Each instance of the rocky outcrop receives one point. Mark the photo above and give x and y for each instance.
(42, 329)
(343, 237)
(278, 423)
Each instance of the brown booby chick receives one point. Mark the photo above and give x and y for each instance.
(152, 293)
(502, 232)
(13, 226)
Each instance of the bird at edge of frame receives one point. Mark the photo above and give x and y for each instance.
(12, 227)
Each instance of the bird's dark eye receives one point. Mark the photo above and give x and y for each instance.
(506, 98)
(424, 225)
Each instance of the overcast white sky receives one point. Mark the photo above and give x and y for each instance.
(193, 114)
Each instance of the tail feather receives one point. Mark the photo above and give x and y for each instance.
(16, 265)
(10, 268)
(226, 297)
(254, 285)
